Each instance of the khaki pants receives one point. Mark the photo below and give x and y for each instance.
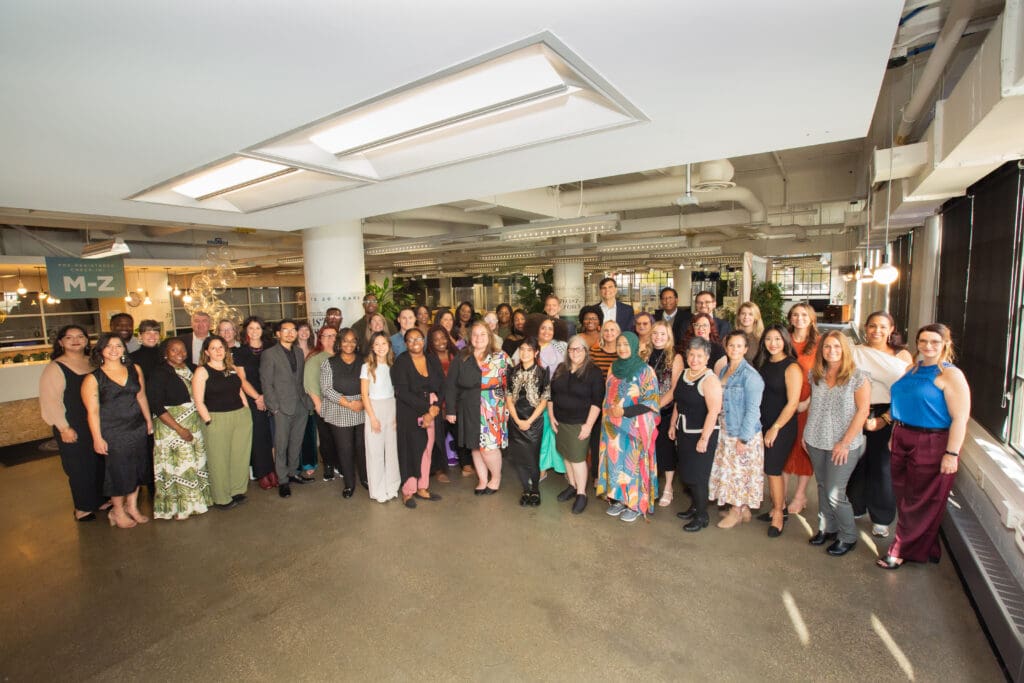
(228, 444)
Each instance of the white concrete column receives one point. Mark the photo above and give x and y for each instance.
(444, 295)
(378, 276)
(334, 271)
(681, 282)
(570, 287)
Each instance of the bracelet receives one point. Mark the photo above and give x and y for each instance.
(886, 418)
(955, 455)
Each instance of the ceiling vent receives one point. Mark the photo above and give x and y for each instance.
(714, 175)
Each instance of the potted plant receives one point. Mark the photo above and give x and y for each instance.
(390, 297)
(768, 297)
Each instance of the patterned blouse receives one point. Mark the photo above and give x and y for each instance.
(831, 412)
(534, 382)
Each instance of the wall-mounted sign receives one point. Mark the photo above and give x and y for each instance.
(77, 278)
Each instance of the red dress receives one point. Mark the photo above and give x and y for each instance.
(798, 462)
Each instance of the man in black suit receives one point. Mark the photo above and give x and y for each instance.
(611, 308)
(705, 302)
(281, 373)
(672, 314)
(194, 340)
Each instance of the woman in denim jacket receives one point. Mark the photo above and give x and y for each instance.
(737, 476)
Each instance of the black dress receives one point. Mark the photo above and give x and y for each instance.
(412, 401)
(262, 457)
(462, 389)
(663, 446)
(772, 403)
(80, 462)
(694, 467)
(124, 429)
(528, 388)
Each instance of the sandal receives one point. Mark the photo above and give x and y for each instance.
(666, 499)
(889, 562)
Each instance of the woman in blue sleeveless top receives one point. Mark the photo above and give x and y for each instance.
(930, 407)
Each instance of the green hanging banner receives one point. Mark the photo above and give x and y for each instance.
(79, 278)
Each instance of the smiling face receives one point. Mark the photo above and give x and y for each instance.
(114, 350)
(608, 292)
(414, 342)
(74, 340)
(465, 313)
(736, 347)
(527, 355)
(504, 315)
(422, 315)
(610, 331)
(122, 326)
(349, 344)
(930, 347)
(406, 320)
(546, 332)
(799, 318)
(150, 338)
(332, 318)
(480, 338)
(702, 328)
(226, 329)
(380, 347)
(287, 333)
(877, 330)
(377, 324)
(176, 353)
(642, 326)
(659, 337)
(705, 303)
(254, 331)
(370, 305)
(696, 359)
(832, 351)
(200, 324)
(303, 332)
(622, 348)
(518, 322)
(591, 322)
(327, 337)
(669, 301)
(774, 343)
(552, 306)
(439, 341)
(446, 320)
(577, 355)
(746, 318)
(215, 352)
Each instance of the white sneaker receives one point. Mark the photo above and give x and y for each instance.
(880, 530)
(616, 509)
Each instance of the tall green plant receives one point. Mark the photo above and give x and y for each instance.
(768, 297)
(391, 298)
(533, 291)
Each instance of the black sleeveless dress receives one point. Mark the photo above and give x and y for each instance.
(261, 458)
(124, 429)
(772, 403)
(663, 446)
(80, 462)
(694, 467)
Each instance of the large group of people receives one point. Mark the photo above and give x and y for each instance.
(619, 404)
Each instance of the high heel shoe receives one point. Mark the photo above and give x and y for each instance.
(138, 517)
(114, 522)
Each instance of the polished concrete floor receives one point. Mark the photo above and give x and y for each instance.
(319, 588)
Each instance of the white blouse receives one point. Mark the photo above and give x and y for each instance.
(883, 368)
(381, 387)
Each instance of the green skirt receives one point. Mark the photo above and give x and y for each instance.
(179, 467)
(549, 457)
(568, 443)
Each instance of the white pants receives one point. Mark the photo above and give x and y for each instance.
(382, 474)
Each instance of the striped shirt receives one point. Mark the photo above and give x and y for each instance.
(602, 359)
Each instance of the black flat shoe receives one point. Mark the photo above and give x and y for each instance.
(840, 548)
(429, 496)
(284, 490)
(364, 485)
(567, 494)
(687, 513)
(292, 479)
(580, 505)
(410, 502)
(822, 537)
(91, 517)
(697, 523)
(328, 476)
(347, 493)
(239, 498)
(225, 506)
(480, 492)
(524, 499)
(489, 491)
(534, 498)
(889, 562)
(774, 531)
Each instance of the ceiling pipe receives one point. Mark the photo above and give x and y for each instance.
(643, 188)
(445, 214)
(741, 195)
(956, 23)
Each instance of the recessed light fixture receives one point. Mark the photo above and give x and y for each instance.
(398, 248)
(415, 263)
(507, 256)
(531, 92)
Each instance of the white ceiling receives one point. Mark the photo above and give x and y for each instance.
(105, 99)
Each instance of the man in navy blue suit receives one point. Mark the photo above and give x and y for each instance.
(613, 309)
(672, 314)
(705, 302)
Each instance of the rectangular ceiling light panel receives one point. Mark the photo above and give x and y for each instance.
(529, 93)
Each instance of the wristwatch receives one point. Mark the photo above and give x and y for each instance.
(955, 455)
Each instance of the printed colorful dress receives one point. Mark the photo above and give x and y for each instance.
(493, 411)
(179, 466)
(628, 471)
(551, 356)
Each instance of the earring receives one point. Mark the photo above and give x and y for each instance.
(124, 359)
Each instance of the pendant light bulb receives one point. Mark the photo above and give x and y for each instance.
(886, 274)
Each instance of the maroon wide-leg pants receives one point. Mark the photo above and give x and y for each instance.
(921, 492)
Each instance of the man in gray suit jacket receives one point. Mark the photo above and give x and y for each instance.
(281, 368)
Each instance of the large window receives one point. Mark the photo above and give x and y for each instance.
(270, 303)
(30, 321)
(803, 281)
(641, 288)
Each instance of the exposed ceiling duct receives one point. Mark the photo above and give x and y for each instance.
(445, 214)
(740, 195)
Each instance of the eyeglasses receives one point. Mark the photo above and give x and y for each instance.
(576, 348)
(369, 301)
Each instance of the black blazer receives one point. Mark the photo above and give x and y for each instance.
(679, 323)
(462, 389)
(623, 315)
(412, 400)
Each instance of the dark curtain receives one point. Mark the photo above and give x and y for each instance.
(899, 291)
(975, 294)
